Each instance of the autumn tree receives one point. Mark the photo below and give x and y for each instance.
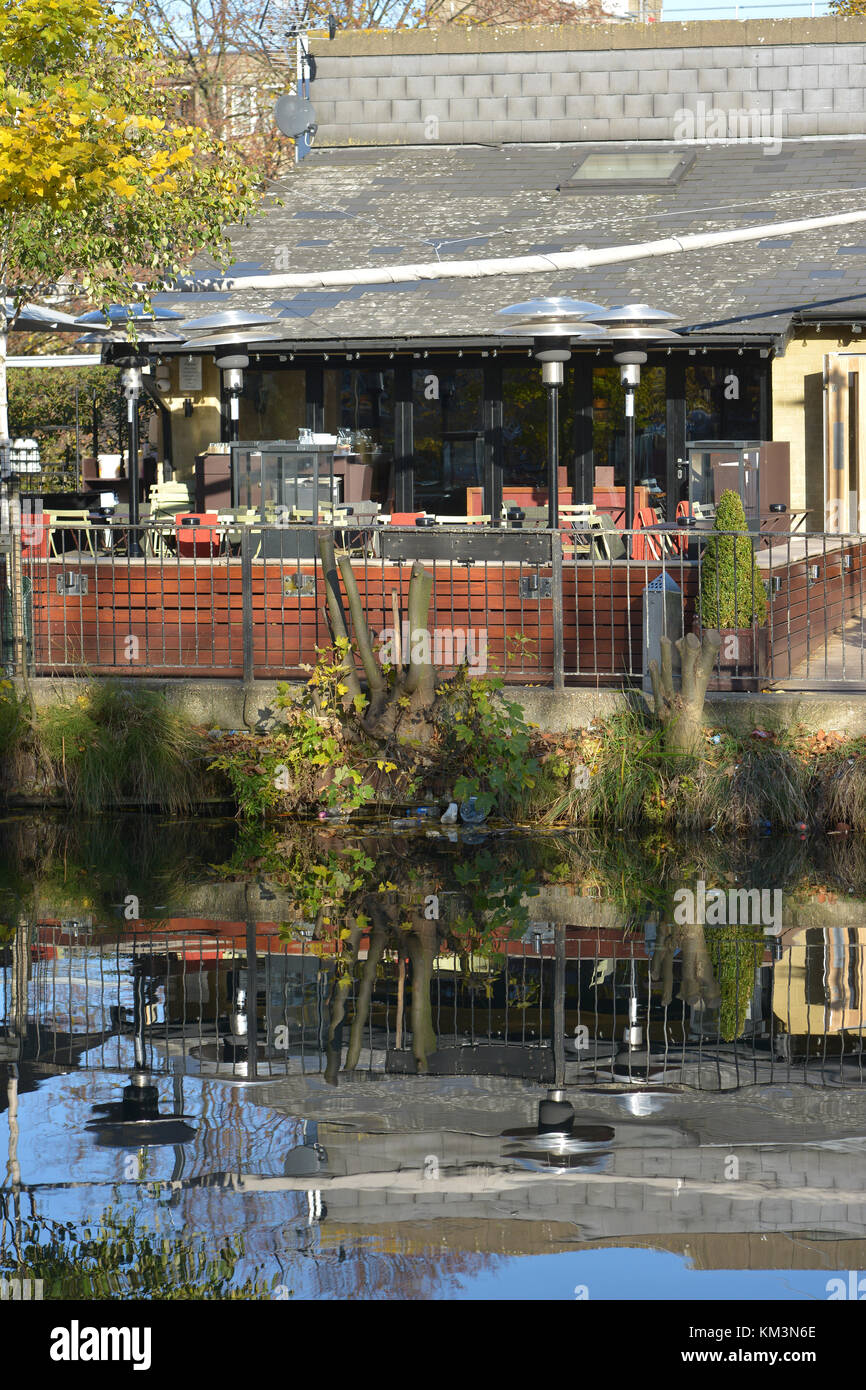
(100, 191)
(846, 8)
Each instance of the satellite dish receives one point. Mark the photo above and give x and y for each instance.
(294, 115)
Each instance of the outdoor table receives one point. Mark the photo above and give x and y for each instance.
(797, 516)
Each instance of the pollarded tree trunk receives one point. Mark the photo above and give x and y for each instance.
(401, 710)
(680, 712)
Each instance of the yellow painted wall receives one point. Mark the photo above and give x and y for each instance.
(798, 411)
(192, 436)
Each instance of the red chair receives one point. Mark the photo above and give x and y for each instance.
(198, 533)
(645, 547)
(680, 539)
(35, 530)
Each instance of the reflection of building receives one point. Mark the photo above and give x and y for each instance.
(819, 982)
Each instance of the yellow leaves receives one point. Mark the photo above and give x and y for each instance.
(122, 186)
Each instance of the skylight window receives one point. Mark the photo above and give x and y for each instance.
(616, 171)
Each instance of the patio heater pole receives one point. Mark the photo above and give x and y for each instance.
(232, 366)
(552, 377)
(629, 369)
(552, 359)
(553, 324)
(132, 389)
(634, 324)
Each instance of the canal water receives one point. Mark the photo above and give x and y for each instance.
(308, 1062)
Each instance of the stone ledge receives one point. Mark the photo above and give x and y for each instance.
(705, 33)
(220, 704)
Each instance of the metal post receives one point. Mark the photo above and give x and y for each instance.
(78, 480)
(95, 430)
(247, 602)
(556, 589)
(559, 963)
(132, 420)
(553, 455)
(629, 455)
(252, 970)
(16, 577)
(675, 416)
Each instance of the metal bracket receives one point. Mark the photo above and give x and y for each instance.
(299, 584)
(70, 583)
(536, 586)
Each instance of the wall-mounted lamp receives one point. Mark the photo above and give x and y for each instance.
(187, 407)
(814, 574)
(848, 562)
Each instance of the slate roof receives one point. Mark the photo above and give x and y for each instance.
(360, 207)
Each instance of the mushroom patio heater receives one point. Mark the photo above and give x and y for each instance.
(228, 333)
(127, 331)
(633, 325)
(553, 324)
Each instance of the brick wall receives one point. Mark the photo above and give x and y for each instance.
(653, 82)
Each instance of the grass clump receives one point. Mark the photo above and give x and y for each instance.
(115, 745)
(843, 794)
(766, 786)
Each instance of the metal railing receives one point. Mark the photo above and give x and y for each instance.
(591, 1007)
(554, 607)
(250, 599)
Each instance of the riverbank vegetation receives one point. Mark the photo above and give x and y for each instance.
(116, 745)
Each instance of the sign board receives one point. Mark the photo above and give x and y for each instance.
(189, 374)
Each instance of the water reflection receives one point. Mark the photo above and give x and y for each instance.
(313, 1060)
(425, 954)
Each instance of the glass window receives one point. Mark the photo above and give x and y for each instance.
(608, 425)
(448, 439)
(273, 404)
(631, 167)
(723, 401)
(524, 428)
(361, 402)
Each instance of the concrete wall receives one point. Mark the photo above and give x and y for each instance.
(590, 83)
(224, 704)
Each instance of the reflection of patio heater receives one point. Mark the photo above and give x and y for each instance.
(136, 1120)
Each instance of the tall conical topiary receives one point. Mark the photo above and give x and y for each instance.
(732, 590)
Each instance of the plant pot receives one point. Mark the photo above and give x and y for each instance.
(744, 659)
(109, 465)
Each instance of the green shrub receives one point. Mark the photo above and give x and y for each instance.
(486, 739)
(732, 591)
